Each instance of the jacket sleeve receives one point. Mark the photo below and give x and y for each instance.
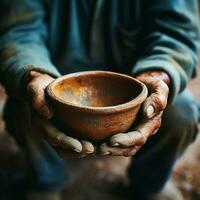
(169, 40)
(23, 35)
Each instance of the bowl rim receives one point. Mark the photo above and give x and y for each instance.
(106, 109)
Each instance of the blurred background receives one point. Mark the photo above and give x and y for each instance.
(109, 171)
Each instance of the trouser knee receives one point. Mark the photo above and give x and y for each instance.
(152, 165)
(180, 121)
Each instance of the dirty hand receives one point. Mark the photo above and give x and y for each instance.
(127, 144)
(67, 147)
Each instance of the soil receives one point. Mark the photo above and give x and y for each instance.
(93, 178)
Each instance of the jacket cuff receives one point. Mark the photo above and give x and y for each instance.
(178, 78)
(18, 74)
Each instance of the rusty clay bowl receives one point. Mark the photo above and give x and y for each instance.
(95, 105)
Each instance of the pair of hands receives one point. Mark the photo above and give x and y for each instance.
(122, 144)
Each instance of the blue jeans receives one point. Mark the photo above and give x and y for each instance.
(150, 167)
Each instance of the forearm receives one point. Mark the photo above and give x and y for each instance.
(22, 43)
(17, 62)
(169, 41)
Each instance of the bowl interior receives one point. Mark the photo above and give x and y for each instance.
(97, 90)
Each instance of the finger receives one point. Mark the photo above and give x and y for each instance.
(157, 101)
(55, 137)
(139, 136)
(67, 142)
(36, 94)
(148, 128)
(106, 150)
(125, 139)
(87, 147)
(59, 139)
(38, 101)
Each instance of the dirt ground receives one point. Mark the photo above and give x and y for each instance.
(94, 178)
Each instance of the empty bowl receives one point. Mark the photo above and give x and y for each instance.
(94, 105)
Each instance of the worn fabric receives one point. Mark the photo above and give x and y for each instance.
(150, 167)
(59, 37)
(46, 170)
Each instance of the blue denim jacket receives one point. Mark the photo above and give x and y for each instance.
(129, 36)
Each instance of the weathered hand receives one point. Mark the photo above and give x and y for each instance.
(127, 144)
(36, 83)
(67, 147)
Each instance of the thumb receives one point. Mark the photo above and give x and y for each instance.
(157, 101)
(36, 95)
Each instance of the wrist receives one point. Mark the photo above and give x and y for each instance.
(161, 75)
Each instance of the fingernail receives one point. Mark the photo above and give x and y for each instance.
(115, 144)
(150, 111)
